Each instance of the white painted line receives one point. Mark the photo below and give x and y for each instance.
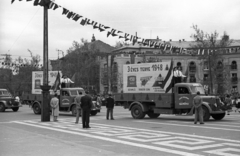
(173, 133)
(219, 124)
(202, 126)
(116, 140)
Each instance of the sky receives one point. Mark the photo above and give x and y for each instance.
(21, 23)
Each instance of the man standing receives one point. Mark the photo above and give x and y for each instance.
(110, 106)
(197, 103)
(55, 107)
(78, 104)
(65, 82)
(86, 104)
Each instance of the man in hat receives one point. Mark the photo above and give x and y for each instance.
(110, 105)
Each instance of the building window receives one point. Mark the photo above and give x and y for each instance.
(234, 65)
(205, 77)
(234, 78)
(234, 89)
(192, 79)
(192, 67)
(205, 65)
(219, 65)
(127, 62)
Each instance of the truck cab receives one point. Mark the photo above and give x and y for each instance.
(67, 102)
(7, 101)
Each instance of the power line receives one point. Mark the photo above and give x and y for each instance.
(22, 31)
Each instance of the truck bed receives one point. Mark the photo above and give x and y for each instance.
(161, 100)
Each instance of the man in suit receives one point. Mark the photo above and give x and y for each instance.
(197, 103)
(86, 104)
(110, 106)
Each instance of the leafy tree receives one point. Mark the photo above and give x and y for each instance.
(219, 72)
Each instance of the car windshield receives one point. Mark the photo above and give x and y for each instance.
(196, 89)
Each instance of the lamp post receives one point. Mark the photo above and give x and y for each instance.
(45, 115)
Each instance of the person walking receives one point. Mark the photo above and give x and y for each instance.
(228, 104)
(99, 100)
(78, 104)
(197, 103)
(86, 104)
(110, 106)
(55, 107)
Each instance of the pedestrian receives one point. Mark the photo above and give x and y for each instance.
(228, 104)
(197, 103)
(65, 82)
(99, 100)
(55, 107)
(86, 105)
(110, 106)
(78, 106)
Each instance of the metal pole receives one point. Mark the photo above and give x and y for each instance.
(45, 115)
(210, 72)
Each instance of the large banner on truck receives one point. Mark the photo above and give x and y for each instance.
(148, 77)
(37, 80)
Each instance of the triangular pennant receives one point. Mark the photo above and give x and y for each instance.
(83, 22)
(76, 17)
(12, 1)
(65, 11)
(55, 6)
(70, 14)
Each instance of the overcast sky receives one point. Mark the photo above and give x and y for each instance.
(21, 23)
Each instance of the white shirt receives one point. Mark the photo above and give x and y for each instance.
(178, 73)
(67, 80)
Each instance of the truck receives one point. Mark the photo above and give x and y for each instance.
(7, 101)
(149, 89)
(67, 96)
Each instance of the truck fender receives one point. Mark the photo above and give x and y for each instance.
(4, 102)
(143, 106)
(206, 104)
(203, 104)
(70, 108)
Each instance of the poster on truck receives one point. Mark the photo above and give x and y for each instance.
(37, 80)
(148, 77)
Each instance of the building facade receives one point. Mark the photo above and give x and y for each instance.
(194, 66)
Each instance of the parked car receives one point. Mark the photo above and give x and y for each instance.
(7, 101)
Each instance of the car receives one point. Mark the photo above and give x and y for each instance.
(7, 101)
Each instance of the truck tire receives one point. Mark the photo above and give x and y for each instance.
(93, 113)
(74, 110)
(2, 107)
(15, 109)
(151, 114)
(206, 113)
(36, 108)
(137, 112)
(218, 116)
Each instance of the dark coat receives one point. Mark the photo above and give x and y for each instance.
(86, 103)
(110, 102)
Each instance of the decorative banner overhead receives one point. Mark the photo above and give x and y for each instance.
(134, 39)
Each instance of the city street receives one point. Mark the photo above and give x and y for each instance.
(23, 134)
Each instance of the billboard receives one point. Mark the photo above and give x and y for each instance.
(148, 77)
(37, 80)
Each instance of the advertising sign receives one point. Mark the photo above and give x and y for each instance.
(148, 77)
(37, 80)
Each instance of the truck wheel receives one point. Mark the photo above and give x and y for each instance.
(15, 109)
(218, 116)
(206, 114)
(137, 112)
(151, 114)
(74, 110)
(93, 113)
(36, 109)
(2, 107)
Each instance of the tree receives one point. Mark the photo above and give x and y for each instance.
(219, 72)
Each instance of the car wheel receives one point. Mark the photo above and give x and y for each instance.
(206, 114)
(93, 113)
(153, 115)
(15, 109)
(36, 109)
(2, 107)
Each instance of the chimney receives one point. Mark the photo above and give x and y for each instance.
(170, 40)
(183, 40)
(179, 41)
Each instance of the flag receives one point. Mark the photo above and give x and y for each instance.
(56, 85)
(73, 77)
(168, 81)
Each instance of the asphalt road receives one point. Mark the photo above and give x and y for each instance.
(23, 134)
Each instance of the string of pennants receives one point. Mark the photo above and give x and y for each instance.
(166, 48)
(20, 65)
